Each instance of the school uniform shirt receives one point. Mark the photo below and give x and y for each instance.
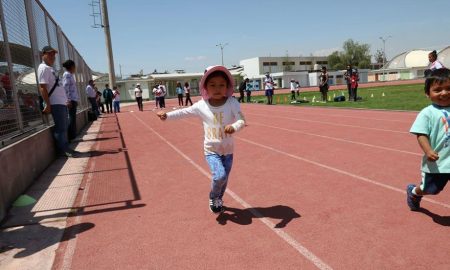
(70, 86)
(90, 91)
(268, 83)
(214, 121)
(433, 121)
(137, 92)
(47, 76)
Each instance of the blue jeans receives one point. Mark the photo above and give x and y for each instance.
(220, 167)
(116, 106)
(61, 118)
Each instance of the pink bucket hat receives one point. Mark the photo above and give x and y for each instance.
(208, 72)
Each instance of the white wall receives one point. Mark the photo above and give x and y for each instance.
(251, 67)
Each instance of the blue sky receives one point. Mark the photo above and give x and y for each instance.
(182, 34)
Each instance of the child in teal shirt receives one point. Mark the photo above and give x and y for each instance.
(432, 130)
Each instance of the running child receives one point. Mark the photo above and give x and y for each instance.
(221, 116)
(432, 130)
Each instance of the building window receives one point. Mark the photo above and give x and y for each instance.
(322, 62)
(288, 63)
(305, 63)
(270, 64)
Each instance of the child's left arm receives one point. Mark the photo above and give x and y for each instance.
(240, 120)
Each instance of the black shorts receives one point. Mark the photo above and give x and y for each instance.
(433, 183)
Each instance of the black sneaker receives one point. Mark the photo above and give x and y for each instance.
(65, 154)
(412, 200)
(216, 205)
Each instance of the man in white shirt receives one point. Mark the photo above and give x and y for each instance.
(268, 86)
(138, 95)
(55, 100)
(92, 97)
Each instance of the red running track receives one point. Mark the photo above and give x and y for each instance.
(310, 188)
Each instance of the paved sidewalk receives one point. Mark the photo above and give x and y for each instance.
(30, 235)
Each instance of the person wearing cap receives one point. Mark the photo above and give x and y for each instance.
(55, 100)
(269, 86)
(138, 95)
(221, 115)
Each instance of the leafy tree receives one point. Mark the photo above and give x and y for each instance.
(358, 55)
(379, 56)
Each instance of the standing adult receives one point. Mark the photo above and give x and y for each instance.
(100, 104)
(55, 100)
(354, 81)
(187, 92)
(323, 84)
(348, 79)
(162, 96)
(434, 63)
(248, 90)
(179, 91)
(72, 96)
(92, 97)
(156, 93)
(269, 86)
(108, 97)
(116, 99)
(242, 88)
(138, 95)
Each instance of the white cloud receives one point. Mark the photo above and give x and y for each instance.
(195, 58)
(326, 52)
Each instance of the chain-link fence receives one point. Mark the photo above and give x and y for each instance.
(26, 27)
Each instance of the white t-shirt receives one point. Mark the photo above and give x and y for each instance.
(293, 86)
(90, 92)
(137, 92)
(163, 90)
(157, 92)
(47, 76)
(214, 121)
(187, 89)
(268, 81)
(116, 95)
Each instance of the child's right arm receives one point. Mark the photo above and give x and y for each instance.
(424, 143)
(179, 114)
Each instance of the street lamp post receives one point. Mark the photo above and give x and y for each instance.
(221, 49)
(384, 54)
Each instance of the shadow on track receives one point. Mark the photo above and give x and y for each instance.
(244, 216)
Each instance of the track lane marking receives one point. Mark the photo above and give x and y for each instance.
(281, 233)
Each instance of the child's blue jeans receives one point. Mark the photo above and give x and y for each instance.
(220, 167)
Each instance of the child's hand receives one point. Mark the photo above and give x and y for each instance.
(432, 155)
(229, 129)
(162, 115)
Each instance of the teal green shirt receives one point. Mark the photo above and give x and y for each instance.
(432, 121)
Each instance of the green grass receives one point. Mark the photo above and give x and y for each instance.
(400, 97)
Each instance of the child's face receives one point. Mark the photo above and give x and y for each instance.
(216, 87)
(440, 94)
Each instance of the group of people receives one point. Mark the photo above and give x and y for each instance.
(245, 86)
(186, 89)
(60, 98)
(352, 78)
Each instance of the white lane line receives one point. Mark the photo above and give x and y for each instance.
(301, 112)
(337, 139)
(282, 234)
(338, 170)
(328, 123)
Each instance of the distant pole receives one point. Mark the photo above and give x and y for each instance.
(384, 54)
(221, 49)
(105, 25)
